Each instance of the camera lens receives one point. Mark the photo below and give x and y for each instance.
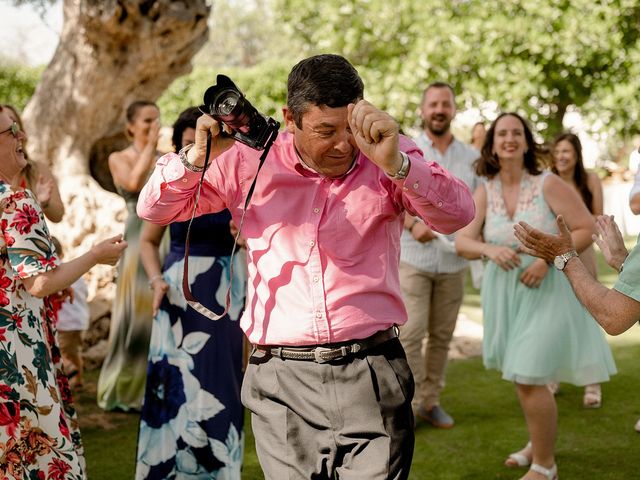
(227, 103)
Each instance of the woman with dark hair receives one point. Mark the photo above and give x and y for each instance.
(568, 165)
(122, 377)
(192, 418)
(536, 331)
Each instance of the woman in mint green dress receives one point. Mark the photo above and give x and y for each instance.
(535, 330)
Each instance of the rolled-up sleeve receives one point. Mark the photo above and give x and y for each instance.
(169, 194)
(430, 192)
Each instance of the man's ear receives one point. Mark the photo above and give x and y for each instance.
(289, 123)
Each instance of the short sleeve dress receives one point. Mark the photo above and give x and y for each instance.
(535, 336)
(39, 436)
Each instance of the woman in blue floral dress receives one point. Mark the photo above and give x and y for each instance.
(39, 436)
(191, 422)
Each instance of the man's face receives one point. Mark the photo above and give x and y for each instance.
(438, 109)
(324, 142)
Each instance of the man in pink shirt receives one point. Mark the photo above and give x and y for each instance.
(328, 384)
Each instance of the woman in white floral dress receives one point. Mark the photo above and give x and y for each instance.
(39, 436)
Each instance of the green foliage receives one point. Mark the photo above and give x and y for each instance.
(535, 56)
(264, 85)
(244, 33)
(17, 83)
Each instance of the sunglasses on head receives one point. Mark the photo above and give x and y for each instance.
(14, 129)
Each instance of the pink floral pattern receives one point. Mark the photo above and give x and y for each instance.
(39, 437)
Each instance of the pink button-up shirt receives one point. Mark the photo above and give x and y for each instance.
(322, 252)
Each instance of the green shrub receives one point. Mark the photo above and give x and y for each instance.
(17, 83)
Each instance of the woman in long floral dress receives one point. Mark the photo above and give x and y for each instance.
(39, 436)
(122, 376)
(191, 422)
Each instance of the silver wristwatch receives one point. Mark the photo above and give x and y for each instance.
(561, 260)
(404, 169)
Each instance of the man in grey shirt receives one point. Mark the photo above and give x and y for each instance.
(431, 274)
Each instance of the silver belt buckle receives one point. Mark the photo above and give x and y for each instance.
(317, 353)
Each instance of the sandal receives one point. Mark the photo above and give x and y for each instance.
(519, 459)
(592, 396)
(549, 473)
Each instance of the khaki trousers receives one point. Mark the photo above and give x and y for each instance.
(349, 419)
(432, 301)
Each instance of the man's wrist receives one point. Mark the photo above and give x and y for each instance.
(192, 157)
(403, 169)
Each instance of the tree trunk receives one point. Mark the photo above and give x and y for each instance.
(111, 52)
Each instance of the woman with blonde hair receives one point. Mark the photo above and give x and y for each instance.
(37, 177)
(39, 435)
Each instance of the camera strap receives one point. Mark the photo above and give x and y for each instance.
(191, 300)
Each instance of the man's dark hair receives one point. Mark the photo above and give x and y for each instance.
(322, 80)
(439, 85)
(187, 119)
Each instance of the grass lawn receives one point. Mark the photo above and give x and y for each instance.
(598, 444)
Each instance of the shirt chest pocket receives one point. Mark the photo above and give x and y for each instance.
(359, 223)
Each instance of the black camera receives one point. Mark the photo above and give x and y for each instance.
(227, 104)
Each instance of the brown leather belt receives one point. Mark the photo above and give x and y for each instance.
(330, 352)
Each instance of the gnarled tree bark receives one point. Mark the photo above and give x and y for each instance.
(111, 52)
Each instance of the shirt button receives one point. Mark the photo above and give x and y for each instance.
(312, 243)
(416, 185)
(316, 279)
(316, 210)
(318, 314)
(184, 180)
(440, 204)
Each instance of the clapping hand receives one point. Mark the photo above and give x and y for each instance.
(44, 189)
(610, 241)
(544, 245)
